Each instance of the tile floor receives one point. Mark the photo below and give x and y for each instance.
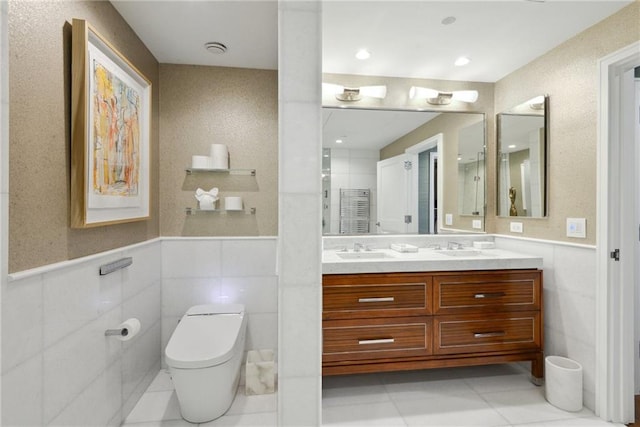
(158, 407)
(499, 395)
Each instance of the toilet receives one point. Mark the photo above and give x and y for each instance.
(204, 355)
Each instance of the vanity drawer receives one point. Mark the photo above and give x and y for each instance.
(376, 338)
(469, 334)
(349, 296)
(482, 292)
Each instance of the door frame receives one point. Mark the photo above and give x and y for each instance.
(614, 295)
(413, 152)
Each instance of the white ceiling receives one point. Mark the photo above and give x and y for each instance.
(175, 31)
(406, 38)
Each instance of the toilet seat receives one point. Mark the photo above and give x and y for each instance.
(206, 336)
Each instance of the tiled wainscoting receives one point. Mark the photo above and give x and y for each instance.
(569, 302)
(58, 368)
(234, 270)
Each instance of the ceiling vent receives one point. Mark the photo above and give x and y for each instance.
(215, 47)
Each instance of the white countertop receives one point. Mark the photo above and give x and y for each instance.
(426, 259)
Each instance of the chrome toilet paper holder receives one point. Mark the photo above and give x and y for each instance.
(121, 332)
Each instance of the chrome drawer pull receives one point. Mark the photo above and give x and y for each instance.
(377, 341)
(381, 299)
(489, 295)
(488, 334)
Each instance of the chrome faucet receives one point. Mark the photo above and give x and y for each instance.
(357, 247)
(454, 245)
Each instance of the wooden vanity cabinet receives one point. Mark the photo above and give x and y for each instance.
(400, 321)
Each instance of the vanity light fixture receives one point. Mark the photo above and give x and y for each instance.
(435, 97)
(354, 94)
(536, 103)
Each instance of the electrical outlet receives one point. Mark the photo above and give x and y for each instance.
(476, 223)
(448, 219)
(515, 227)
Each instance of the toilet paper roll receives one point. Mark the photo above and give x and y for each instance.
(130, 329)
(219, 156)
(233, 203)
(200, 162)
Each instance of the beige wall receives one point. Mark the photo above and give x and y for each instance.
(39, 120)
(569, 75)
(200, 106)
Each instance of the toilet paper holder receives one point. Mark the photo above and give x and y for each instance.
(121, 332)
(125, 331)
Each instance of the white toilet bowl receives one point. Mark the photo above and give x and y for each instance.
(204, 355)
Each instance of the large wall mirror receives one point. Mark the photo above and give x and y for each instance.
(522, 159)
(402, 172)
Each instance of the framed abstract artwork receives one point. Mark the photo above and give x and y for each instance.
(110, 133)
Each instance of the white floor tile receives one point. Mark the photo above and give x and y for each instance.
(370, 414)
(265, 419)
(243, 404)
(529, 406)
(367, 392)
(162, 382)
(466, 410)
(429, 390)
(575, 422)
(492, 384)
(419, 376)
(499, 395)
(163, 423)
(155, 406)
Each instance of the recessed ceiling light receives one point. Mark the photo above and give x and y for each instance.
(462, 61)
(338, 141)
(459, 158)
(216, 48)
(512, 146)
(448, 20)
(363, 54)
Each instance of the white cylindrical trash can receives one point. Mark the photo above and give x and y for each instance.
(563, 383)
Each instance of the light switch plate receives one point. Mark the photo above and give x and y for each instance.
(577, 227)
(476, 223)
(515, 227)
(448, 219)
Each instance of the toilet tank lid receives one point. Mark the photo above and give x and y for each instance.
(215, 309)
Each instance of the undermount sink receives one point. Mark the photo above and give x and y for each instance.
(363, 255)
(458, 252)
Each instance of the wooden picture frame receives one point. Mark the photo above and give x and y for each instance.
(110, 133)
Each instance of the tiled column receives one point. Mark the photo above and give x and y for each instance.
(4, 150)
(299, 247)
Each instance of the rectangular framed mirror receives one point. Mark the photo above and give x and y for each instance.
(522, 159)
(403, 171)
